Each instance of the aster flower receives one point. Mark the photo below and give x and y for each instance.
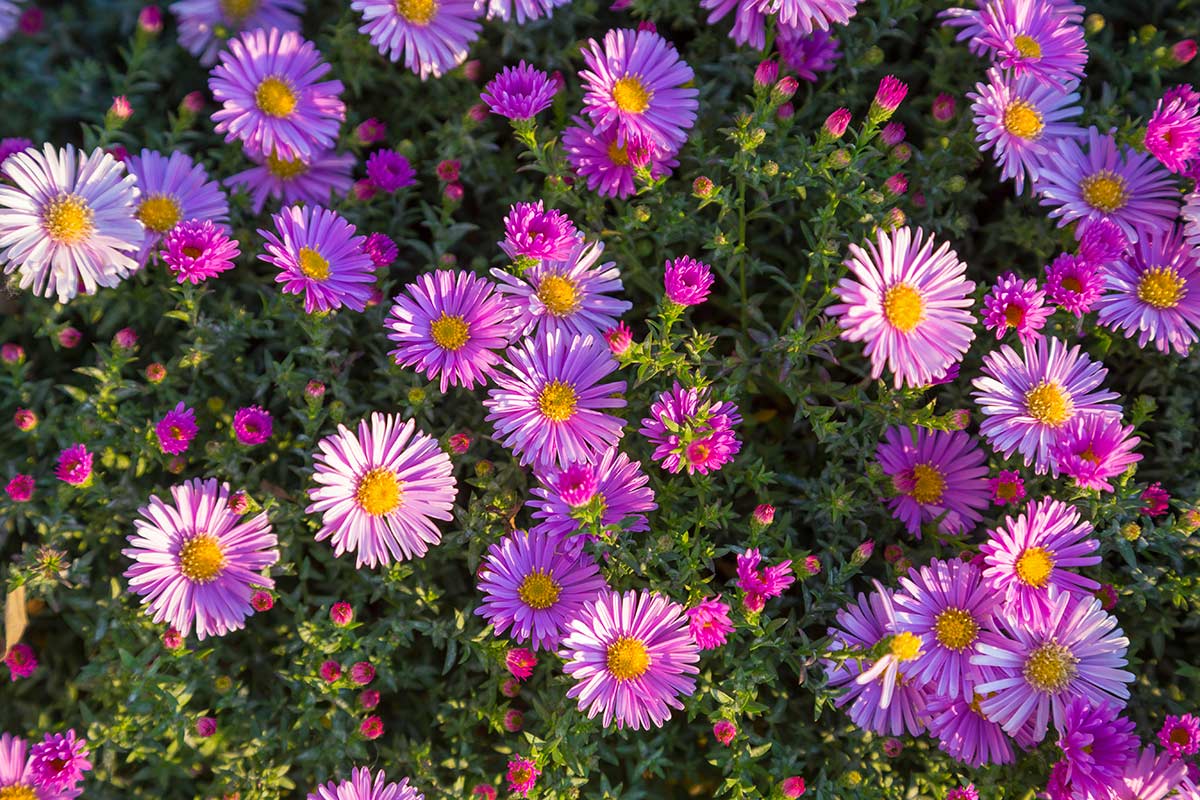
(273, 101)
(318, 253)
(807, 54)
(632, 658)
(433, 36)
(521, 92)
(530, 231)
(762, 584)
(176, 430)
(551, 407)
(1157, 500)
(66, 221)
(938, 476)
(57, 763)
(205, 25)
(634, 83)
(687, 281)
(525, 9)
(535, 585)
(1150, 777)
(360, 787)
(294, 180)
(12, 144)
(450, 325)
(749, 24)
(909, 303)
(1173, 132)
(174, 189)
(1074, 284)
(964, 733)
(522, 776)
(197, 250)
(608, 166)
(808, 15)
(1096, 744)
(252, 425)
(10, 15)
(1102, 242)
(16, 774)
(709, 623)
(520, 662)
(689, 430)
(379, 492)
(381, 250)
(967, 792)
(1026, 400)
(620, 484)
(1129, 188)
(1017, 304)
(21, 662)
(74, 465)
(389, 171)
(1091, 449)
(1032, 37)
(1180, 735)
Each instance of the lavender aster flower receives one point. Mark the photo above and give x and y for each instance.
(621, 486)
(318, 253)
(1152, 777)
(964, 733)
(519, 93)
(1032, 37)
(360, 787)
(1096, 744)
(432, 35)
(749, 24)
(296, 180)
(200, 22)
(808, 15)
(173, 189)
(807, 54)
(608, 166)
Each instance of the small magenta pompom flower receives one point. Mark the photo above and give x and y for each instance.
(1180, 735)
(725, 731)
(314, 390)
(57, 763)
(69, 337)
(1096, 743)
(74, 465)
(943, 108)
(318, 253)
(381, 250)
(690, 431)
(330, 671)
(484, 791)
(12, 353)
(196, 250)
(370, 131)
(892, 747)
(967, 792)
(172, 639)
(252, 425)
(1074, 284)
(1156, 500)
(447, 169)
(239, 502)
(520, 662)
(368, 699)
(608, 165)
(687, 281)
(389, 171)
(619, 338)
(709, 623)
(262, 601)
(341, 613)
(1107, 595)
(362, 673)
(206, 727)
(371, 728)
(1008, 487)
(25, 419)
(460, 443)
(761, 585)
(1017, 304)
(892, 134)
(1102, 242)
(793, 787)
(433, 36)
(1092, 449)
(176, 430)
(809, 55)
(1173, 132)
(532, 231)
(295, 180)
(510, 688)
(125, 339)
(938, 476)
(174, 189)
(21, 662)
(20, 488)
(519, 93)
(812, 565)
(522, 775)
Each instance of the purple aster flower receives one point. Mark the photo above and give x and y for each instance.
(1173, 132)
(252, 425)
(519, 93)
(608, 166)
(450, 325)
(1026, 400)
(57, 763)
(318, 253)
(938, 476)
(807, 54)
(551, 407)
(432, 35)
(1091, 449)
(1102, 242)
(632, 658)
(687, 281)
(709, 623)
(1096, 744)
(808, 15)
(525, 9)
(1073, 649)
(530, 231)
(1017, 304)
(749, 24)
(1034, 38)
(964, 733)
(1074, 284)
(634, 83)
(1119, 184)
(291, 181)
(909, 303)
(379, 492)
(360, 787)
(205, 25)
(571, 295)
(622, 488)
(197, 561)
(74, 465)
(381, 250)
(576, 484)
(534, 584)
(273, 100)
(66, 221)
(1180, 736)
(176, 430)
(173, 189)
(967, 792)
(1151, 777)
(680, 417)
(388, 171)
(197, 250)
(12, 145)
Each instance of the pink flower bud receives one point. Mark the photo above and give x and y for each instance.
(471, 69)
(371, 727)
(943, 107)
(315, 390)
(12, 353)
(20, 488)
(836, 123)
(238, 503)
(171, 639)
(619, 338)
(368, 699)
(1183, 51)
(448, 169)
(764, 514)
(25, 420)
(120, 109)
(513, 720)
(330, 671)
(892, 134)
(785, 111)
(766, 74)
(370, 131)
(725, 731)
(460, 443)
(206, 726)
(362, 673)
(69, 337)
(453, 192)
(785, 89)
(341, 614)
(125, 339)
(793, 787)
(510, 688)
(31, 20)
(193, 102)
(888, 96)
(150, 19)
(262, 601)
(702, 187)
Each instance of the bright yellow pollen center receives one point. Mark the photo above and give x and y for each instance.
(631, 95)
(558, 295)
(18, 792)
(905, 646)
(1047, 403)
(1022, 120)
(1104, 191)
(201, 558)
(449, 333)
(539, 590)
(238, 10)
(627, 658)
(275, 97)
(618, 155)
(418, 12)
(1050, 667)
(1027, 46)
(378, 492)
(159, 212)
(285, 169)
(955, 629)
(68, 219)
(903, 307)
(1034, 566)
(928, 484)
(312, 264)
(557, 401)
(1160, 287)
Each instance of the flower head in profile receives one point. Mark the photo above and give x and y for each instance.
(709, 623)
(1092, 449)
(938, 476)
(320, 254)
(687, 281)
(433, 36)
(609, 164)
(1173, 132)
(174, 189)
(1017, 304)
(196, 250)
(361, 787)
(57, 763)
(176, 430)
(691, 431)
(519, 93)
(1074, 283)
(1096, 743)
(620, 495)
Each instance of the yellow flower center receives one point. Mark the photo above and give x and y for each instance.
(618, 155)
(159, 212)
(977, 703)
(928, 484)
(378, 492)
(285, 169)
(955, 628)
(418, 12)
(201, 558)
(627, 658)
(1014, 315)
(68, 219)
(449, 333)
(1105, 191)
(557, 401)
(18, 791)
(1034, 566)
(275, 97)
(1048, 404)
(238, 10)
(905, 646)
(903, 307)
(539, 590)
(1050, 667)
(558, 295)
(1027, 46)
(631, 95)
(312, 264)
(1160, 287)
(1023, 120)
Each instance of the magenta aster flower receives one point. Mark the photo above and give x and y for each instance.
(381, 250)
(534, 584)
(176, 430)
(1074, 284)
(360, 787)
(389, 171)
(197, 250)
(522, 775)
(16, 774)
(1034, 38)
(74, 465)
(530, 231)
(379, 492)
(520, 662)
(551, 407)
(761, 585)
(967, 792)
(709, 623)
(1017, 304)
(174, 189)
(273, 100)
(521, 92)
(680, 419)
(318, 253)
(21, 662)
(1102, 242)
(57, 763)
(1096, 744)
(807, 54)
(204, 25)
(433, 36)
(20, 488)
(197, 561)
(1026, 400)
(608, 166)
(1180, 735)
(1091, 449)
(687, 281)
(632, 658)
(622, 488)
(938, 476)
(252, 425)
(291, 181)
(909, 303)
(1173, 132)
(808, 15)
(634, 83)
(964, 733)
(1151, 777)
(1157, 500)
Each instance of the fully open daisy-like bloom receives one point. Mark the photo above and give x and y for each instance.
(176, 430)
(1019, 119)
(433, 36)
(379, 492)
(621, 486)
(318, 253)
(273, 99)
(56, 765)
(1027, 399)
(1096, 743)
(946, 604)
(1034, 38)
(1155, 292)
(551, 407)
(1073, 649)
(808, 15)
(525, 10)
(174, 188)
(450, 326)
(1074, 283)
(1107, 182)
(1173, 132)
(709, 623)
(196, 561)
(909, 304)
(197, 250)
(534, 584)
(634, 83)
(1152, 777)
(205, 25)
(938, 476)
(807, 54)
(685, 422)
(572, 295)
(521, 92)
(1180, 735)
(964, 733)
(531, 231)
(1017, 304)
(296, 180)
(66, 221)
(632, 658)
(1091, 449)
(607, 166)
(361, 787)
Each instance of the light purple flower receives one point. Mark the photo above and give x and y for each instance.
(291, 181)
(938, 476)
(519, 93)
(622, 487)
(320, 254)
(433, 36)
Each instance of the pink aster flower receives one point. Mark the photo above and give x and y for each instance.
(74, 465)
(1009, 487)
(1102, 242)
(320, 254)
(252, 425)
(1173, 132)
(25, 419)
(687, 281)
(1180, 735)
(520, 662)
(389, 171)
(21, 662)
(206, 25)
(725, 731)
(484, 791)
(295, 180)
(20, 488)
(342, 614)
(608, 165)
(681, 418)
(1096, 743)
(619, 338)
(967, 792)
(709, 623)
(196, 250)
(1157, 500)
(362, 673)
(262, 601)
(206, 727)
(433, 37)
(176, 430)
(522, 775)
(531, 231)
(519, 93)
(808, 15)
(1017, 304)
(888, 97)
(371, 728)
(938, 477)
(1074, 284)
(1091, 449)
(762, 584)
(330, 671)
(616, 488)
(57, 763)
(792, 787)
(514, 720)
